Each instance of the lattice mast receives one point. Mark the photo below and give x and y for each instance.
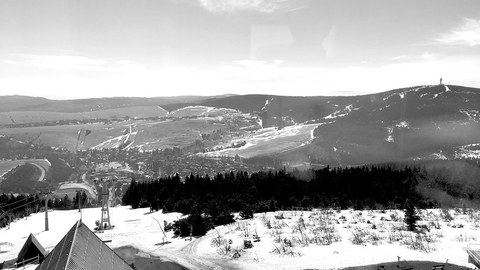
(105, 223)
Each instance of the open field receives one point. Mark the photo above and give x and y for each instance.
(151, 134)
(269, 141)
(201, 111)
(21, 117)
(173, 133)
(65, 136)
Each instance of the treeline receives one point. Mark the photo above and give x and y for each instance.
(14, 207)
(359, 188)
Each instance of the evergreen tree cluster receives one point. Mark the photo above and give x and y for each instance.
(358, 187)
(411, 216)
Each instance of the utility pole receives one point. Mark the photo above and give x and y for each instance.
(46, 211)
(80, 201)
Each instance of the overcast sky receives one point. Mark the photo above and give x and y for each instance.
(95, 48)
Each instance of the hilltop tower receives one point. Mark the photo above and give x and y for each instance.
(441, 81)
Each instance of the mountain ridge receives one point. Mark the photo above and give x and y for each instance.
(417, 122)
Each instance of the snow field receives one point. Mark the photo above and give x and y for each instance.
(329, 239)
(270, 140)
(318, 239)
(133, 227)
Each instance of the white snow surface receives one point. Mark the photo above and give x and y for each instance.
(468, 151)
(473, 115)
(199, 110)
(79, 186)
(140, 229)
(133, 227)
(450, 240)
(341, 113)
(446, 90)
(403, 124)
(439, 155)
(390, 135)
(271, 140)
(402, 94)
(266, 104)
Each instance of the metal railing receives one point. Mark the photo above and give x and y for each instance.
(23, 264)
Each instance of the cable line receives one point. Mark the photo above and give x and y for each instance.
(9, 210)
(14, 202)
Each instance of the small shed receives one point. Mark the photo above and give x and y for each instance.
(31, 252)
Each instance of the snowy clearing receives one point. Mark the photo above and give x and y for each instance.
(330, 239)
(318, 239)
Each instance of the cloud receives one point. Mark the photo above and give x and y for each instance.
(262, 6)
(468, 33)
(62, 62)
(428, 56)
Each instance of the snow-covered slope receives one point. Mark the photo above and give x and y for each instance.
(134, 228)
(288, 239)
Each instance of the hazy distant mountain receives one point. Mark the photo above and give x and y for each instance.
(427, 122)
(421, 122)
(23, 103)
(14, 103)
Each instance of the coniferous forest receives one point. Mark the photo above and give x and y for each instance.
(359, 188)
(215, 198)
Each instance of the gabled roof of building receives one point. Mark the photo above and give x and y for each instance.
(79, 249)
(31, 243)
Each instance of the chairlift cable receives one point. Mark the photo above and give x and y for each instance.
(14, 202)
(9, 210)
